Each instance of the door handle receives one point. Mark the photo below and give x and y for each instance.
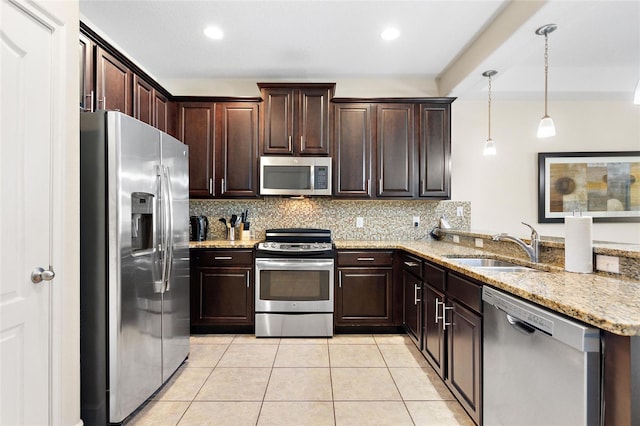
(40, 274)
(438, 317)
(444, 316)
(415, 294)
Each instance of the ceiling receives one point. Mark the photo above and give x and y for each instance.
(594, 54)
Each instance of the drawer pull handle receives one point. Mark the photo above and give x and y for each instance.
(411, 264)
(223, 258)
(366, 259)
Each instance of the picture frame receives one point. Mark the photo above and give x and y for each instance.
(603, 185)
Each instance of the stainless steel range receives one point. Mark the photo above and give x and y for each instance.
(294, 283)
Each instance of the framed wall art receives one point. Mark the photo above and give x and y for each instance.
(603, 185)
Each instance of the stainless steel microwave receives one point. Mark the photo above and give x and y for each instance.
(295, 175)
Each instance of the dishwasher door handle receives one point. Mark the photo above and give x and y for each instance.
(521, 326)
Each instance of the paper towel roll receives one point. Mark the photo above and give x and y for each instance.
(578, 244)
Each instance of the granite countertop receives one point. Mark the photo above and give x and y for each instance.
(223, 244)
(606, 302)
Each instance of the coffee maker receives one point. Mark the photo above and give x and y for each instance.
(199, 228)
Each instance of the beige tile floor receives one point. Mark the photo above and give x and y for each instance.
(345, 380)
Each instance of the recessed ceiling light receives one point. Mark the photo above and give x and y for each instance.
(214, 33)
(390, 34)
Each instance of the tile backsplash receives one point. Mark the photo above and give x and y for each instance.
(383, 219)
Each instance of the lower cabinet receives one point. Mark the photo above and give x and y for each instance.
(221, 288)
(364, 288)
(412, 297)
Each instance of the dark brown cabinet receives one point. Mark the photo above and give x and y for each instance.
(395, 150)
(433, 332)
(296, 118)
(221, 288)
(161, 113)
(196, 129)
(113, 83)
(364, 288)
(435, 151)
(87, 90)
(143, 101)
(412, 297)
(352, 149)
(237, 144)
(392, 148)
(223, 148)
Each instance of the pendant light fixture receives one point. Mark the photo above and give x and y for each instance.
(489, 145)
(546, 128)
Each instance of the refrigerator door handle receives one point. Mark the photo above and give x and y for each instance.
(168, 226)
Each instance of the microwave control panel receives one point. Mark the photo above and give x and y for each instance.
(321, 178)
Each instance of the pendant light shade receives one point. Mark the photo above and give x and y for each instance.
(636, 97)
(489, 145)
(546, 128)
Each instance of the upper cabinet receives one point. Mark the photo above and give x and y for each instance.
(113, 83)
(143, 101)
(87, 90)
(110, 81)
(295, 120)
(223, 148)
(392, 148)
(435, 150)
(395, 150)
(352, 149)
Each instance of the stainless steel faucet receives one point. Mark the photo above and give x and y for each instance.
(533, 249)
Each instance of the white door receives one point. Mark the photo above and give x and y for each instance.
(26, 179)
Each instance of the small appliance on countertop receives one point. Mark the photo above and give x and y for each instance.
(199, 228)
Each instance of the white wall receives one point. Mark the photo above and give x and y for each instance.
(503, 190)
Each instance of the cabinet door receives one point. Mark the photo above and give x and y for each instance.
(433, 336)
(363, 296)
(395, 142)
(412, 289)
(222, 296)
(237, 140)
(196, 129)
(278, 121)
(160, 112)
(113, 83)
(464, 369)
(312, 122)
(352, 150)
(86, 74)
(435, 151)
(142, 100)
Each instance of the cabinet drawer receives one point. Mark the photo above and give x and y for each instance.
(465, 291)
(365, 258)
(222, 257)
(434, 276)
(412, 264)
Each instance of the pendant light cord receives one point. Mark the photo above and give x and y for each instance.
(546, 70)
(489, 107)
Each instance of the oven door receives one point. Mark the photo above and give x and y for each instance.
(294, 285)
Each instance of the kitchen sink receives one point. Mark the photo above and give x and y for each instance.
(491, 264)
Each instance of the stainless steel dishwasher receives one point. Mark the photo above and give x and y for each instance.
(539, 368)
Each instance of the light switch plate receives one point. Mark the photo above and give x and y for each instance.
(359, 222)
(608, 263)
(456, 239)
(460, 211)
(479, 243)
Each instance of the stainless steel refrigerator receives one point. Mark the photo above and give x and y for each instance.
(134, 289)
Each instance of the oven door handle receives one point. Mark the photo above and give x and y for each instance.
(292, 264)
